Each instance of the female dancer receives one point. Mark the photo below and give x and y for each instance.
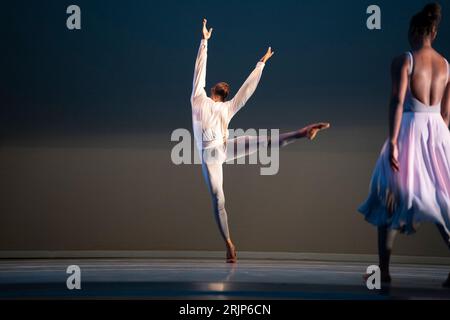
(210, 117)
(411, 180)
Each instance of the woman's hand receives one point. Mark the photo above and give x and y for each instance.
(268, 55)
(206, 34)
(393, 156)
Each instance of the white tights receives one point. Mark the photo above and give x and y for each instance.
(234, 149)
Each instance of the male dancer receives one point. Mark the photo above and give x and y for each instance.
(211, 116)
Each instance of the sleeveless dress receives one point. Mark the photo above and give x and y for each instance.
(420, 191)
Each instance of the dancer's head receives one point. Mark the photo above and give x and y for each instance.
(220, 91)
(424, 25)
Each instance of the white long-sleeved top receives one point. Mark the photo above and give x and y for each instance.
(210, 119)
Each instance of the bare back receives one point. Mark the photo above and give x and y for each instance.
(429, 76)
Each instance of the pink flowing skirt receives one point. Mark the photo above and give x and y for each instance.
(420, 191)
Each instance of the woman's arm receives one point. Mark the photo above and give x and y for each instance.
(399, 75)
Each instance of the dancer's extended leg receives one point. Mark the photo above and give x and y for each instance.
(246, 145)
(309, 132)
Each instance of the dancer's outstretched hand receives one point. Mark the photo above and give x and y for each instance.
(206, 33)
(313, 129)
(268, 55)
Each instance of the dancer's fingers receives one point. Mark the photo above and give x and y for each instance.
(210, 31)
(395, 165)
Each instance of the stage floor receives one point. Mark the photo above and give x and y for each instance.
(213, 279)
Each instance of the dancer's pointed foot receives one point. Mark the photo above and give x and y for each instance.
(231, 252)
(313, 129)
(446, 284)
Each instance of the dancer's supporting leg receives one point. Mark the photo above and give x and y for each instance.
(213, 174)
(214, 178)
(386, 237)
(446, 239)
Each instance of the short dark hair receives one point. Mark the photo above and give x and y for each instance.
(222, 90)
(426, 21)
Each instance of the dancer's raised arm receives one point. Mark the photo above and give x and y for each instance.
(399, 72)
(249, 86)
(199, 83)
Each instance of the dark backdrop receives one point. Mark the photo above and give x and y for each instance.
(86, 118)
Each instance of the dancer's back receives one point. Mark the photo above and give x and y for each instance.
(429, 76)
